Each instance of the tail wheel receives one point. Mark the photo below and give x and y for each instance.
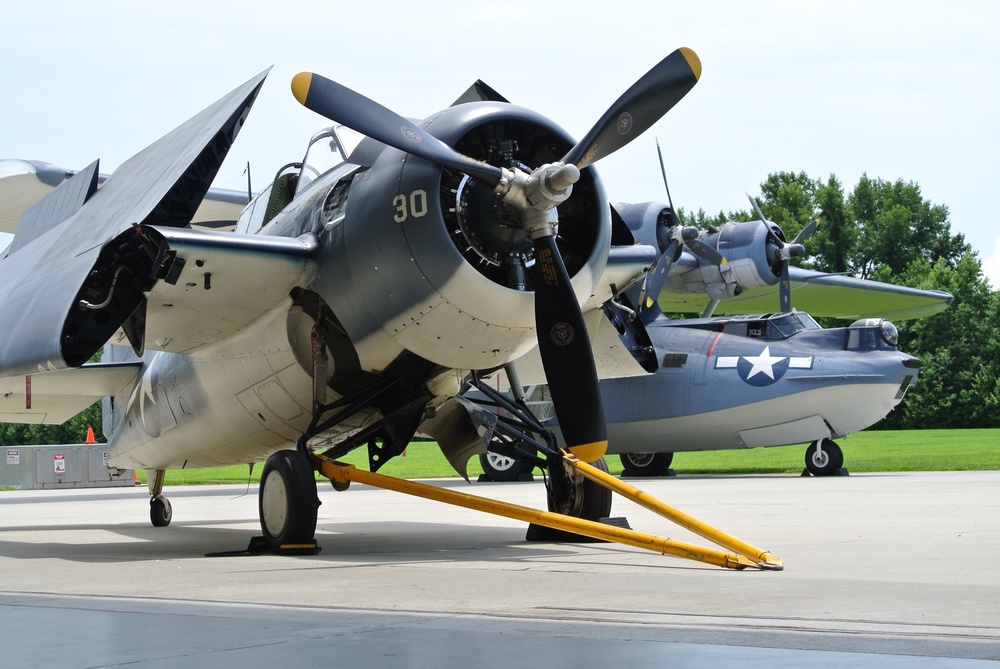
(824, 462)
(160, 511)
(288, 503)
(583, 498)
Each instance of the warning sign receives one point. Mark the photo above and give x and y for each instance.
(13, 457)
(59, 460)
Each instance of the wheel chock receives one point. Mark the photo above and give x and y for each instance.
(259, 546)
(549, 535)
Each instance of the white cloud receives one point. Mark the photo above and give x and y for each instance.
(991, 266)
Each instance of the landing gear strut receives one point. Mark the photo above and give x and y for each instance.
(517, 435)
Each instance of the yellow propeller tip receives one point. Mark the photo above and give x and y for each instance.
(300, 86)
(590, 452)
(692, 60)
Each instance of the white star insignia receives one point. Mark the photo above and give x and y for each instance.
(763, 363)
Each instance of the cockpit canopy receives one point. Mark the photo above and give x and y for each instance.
(328, 148)
(770, 326)
(872, 334)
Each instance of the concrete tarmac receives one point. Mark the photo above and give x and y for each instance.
(880, 570)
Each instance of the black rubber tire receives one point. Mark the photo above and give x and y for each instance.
(646, 464)
(160, 511)
(831, 462)
(287, 502)
(587, 500)
(502, 469)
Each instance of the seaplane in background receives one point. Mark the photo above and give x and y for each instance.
(748, 379)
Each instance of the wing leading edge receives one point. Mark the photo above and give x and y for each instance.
(820, 294)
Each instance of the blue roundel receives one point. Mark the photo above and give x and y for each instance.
(762, 369)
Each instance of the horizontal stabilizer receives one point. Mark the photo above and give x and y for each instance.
(52, 398)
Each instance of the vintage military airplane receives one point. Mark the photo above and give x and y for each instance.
(354, 297)
(743, 381)
(351, 302)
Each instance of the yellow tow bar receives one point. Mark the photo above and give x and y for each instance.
(741, 555)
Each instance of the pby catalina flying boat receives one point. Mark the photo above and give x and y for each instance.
(742, 381)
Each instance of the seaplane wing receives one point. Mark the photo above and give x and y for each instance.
(820, 294)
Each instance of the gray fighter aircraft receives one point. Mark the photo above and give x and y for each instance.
(353, 298)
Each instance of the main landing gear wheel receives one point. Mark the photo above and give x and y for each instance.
(160, 511)
(503, 468)
(582, 498)
(288, 503)
(825, 462)
(646, 464)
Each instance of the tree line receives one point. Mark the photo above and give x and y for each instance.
(886, 231)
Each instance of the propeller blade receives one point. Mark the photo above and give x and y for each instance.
(342, 105)
(642, 105)
(806, 232)
(657, 277)
(567, 357)
(756, 208)
(785, 289)
(705, 252)
(663, 172)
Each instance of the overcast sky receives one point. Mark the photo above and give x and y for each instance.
(898, 89)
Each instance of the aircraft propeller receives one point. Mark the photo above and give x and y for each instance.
(563, 342)
(786, 251)
(678, 235)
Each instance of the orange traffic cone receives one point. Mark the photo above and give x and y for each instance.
(90, 436)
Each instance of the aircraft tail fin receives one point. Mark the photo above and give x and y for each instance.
(56, 206)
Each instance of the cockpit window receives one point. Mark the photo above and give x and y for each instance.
(328, 148)
(785, 325)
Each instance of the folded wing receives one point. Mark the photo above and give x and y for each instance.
(82, 273)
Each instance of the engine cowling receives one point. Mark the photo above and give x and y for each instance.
(440, 265)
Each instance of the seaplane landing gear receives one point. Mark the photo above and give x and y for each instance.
(824, 458)
(288, 503)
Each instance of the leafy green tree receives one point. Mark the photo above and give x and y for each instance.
(959, 349)
(897, 227)
(835, 242)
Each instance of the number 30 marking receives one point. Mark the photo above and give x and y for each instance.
(413, 206)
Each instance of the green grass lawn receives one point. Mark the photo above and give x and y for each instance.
(905, 450)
